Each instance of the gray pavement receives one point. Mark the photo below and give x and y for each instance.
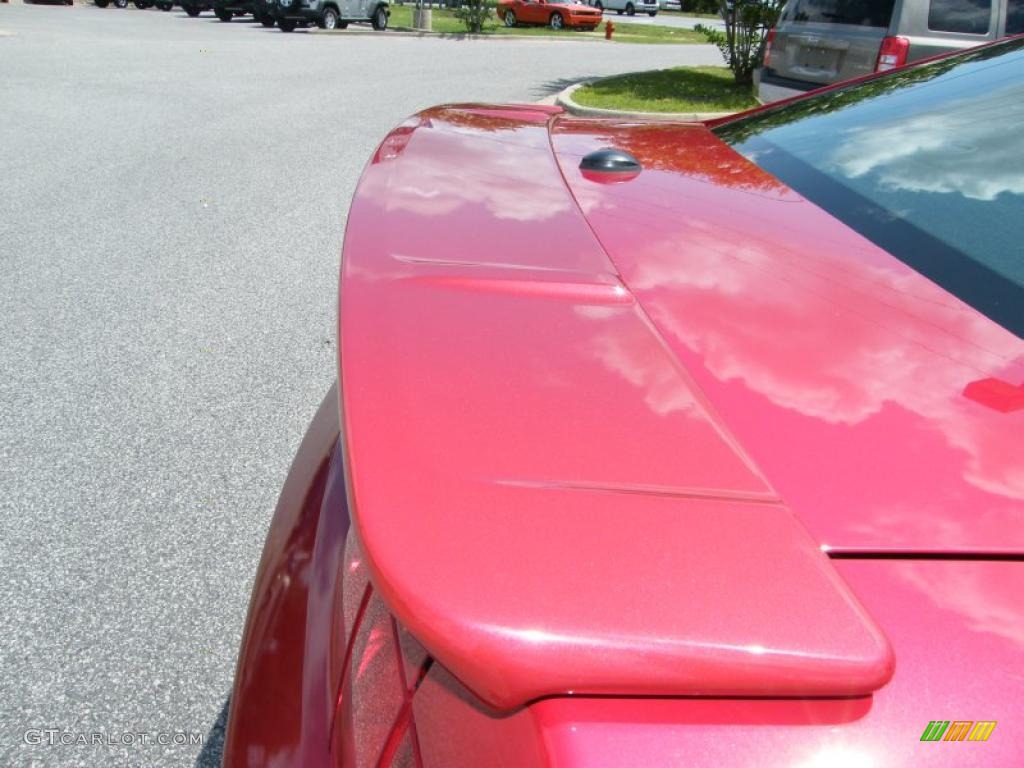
(172, 198)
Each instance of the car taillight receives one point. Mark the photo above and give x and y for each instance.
(768, 40)
(892, 53)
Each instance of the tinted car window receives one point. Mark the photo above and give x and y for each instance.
(968, 16)
(928, 163)
(864, 13)
(1014, 17)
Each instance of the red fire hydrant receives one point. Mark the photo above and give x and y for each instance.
(609, 27)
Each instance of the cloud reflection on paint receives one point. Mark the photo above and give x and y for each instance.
(492, 170)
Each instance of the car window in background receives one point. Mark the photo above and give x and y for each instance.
(966, 16)
(864, 13)
(1014, 17)
(928, 163)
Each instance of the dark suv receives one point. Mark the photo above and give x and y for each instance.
(330, 14)
(227, 9)
(195, 7)
(263, 12)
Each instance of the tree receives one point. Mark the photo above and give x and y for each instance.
(746, 24)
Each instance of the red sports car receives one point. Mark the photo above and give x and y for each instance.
(553, 13)
(666, 445)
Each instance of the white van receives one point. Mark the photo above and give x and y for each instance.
(628, 7)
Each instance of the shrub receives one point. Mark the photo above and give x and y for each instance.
(746, 25)
(474, 14)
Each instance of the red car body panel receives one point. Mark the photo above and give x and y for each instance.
(794, 325)
(286, 679)
(539, 12)
(584, 426)
(974, 607)
(504, 461)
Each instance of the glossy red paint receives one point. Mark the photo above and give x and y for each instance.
(958, 632)
(840, 370)
(996, 394)
(537, 414)
(540, 12)
(584, 433)
(283, 698)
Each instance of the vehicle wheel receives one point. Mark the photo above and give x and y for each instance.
(329, 19)
(630, 10)
(619, 12)
(267, 21)
(556, 21)
(139, 4)
(223, 15)
(286, 25)
(380, 19)
(192, 11)
(510, 19)
(652, 14)
(102, 3)
(120, 3)
(165, 6)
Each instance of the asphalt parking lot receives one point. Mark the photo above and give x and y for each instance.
(173, 193)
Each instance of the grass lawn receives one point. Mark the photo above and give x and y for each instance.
(446, 23)
(683, 89)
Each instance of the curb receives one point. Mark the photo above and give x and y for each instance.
(406, 32)
(564, 99)
(410, 32)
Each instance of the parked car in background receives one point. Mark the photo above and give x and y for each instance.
(670, 5)
(330, 14)
(195, 7)
(263, 12)
(628, 7)
(819, 42)
(556, 14)
(225, 10)
(706, 453)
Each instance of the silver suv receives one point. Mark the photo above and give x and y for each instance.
(330, 14)
(819, 42)
(628, 7)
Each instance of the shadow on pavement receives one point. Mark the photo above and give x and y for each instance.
(213, 745)
(555, 86)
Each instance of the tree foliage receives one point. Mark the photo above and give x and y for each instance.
(746, 24)
(474, 14)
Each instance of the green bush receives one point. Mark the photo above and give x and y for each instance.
(474, 14)
(745, 28)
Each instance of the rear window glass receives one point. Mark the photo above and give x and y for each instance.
(966, 16)
(927, 163)
(862, 13)
(1014, 17)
